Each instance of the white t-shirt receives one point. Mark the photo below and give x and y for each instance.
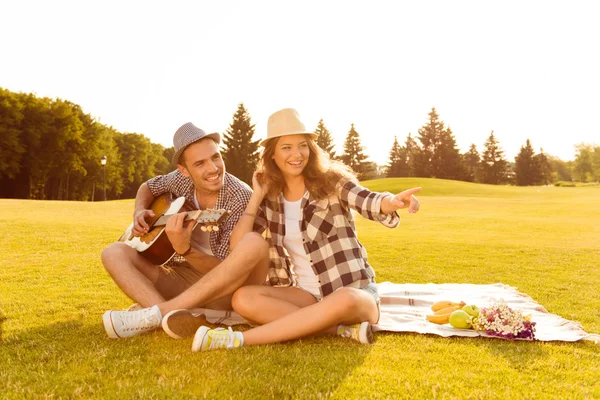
(302, 272)
(201, 239)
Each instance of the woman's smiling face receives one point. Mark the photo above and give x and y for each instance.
(291, 154)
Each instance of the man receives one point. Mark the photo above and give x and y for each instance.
(209, 267)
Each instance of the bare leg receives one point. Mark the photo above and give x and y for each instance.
(134, 275)
(344, 306)
(246, 264)
(264, 304)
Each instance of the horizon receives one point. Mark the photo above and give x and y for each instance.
(524, 71)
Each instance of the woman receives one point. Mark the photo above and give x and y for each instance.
(303, 200)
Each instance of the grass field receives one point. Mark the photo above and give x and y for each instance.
(543, 240)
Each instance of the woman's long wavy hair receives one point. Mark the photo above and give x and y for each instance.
(321, 174)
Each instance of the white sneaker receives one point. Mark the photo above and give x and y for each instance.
(219, 338)
(120, 324)
(361, 332)
(134, 307)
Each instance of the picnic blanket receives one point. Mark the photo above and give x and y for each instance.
(404, 306)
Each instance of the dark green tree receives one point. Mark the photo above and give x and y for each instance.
(526, 168)
(324, 139)
(137, 158)
(353, 155)
(493, 164)
(439, 157)
(470, 163)
(583, 169)
(561, 170)
(68, 133)
(11, 146)
(370, 171)
(544, 168)
(397, 164)
(447, 159)
(412, 155)
(586, 167)
(55, 151)
(396, 159)
(596, 163)
(240, 152)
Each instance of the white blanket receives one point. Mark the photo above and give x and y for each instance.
(404, 306)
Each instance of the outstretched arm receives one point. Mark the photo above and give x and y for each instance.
(401, 200)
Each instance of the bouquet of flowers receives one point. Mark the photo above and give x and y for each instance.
(502, 321)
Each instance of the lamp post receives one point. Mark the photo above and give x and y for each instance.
(103, 162)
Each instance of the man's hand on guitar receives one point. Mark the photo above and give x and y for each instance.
(140, 226)
(179, 232)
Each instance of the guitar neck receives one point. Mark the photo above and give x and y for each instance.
(162, 220)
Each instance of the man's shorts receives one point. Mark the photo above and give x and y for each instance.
(175, 279)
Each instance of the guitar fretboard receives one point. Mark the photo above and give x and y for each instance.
(204, 217)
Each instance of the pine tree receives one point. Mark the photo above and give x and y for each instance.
(447, 157)
(439, 157)
(493, 165)
(544, 173)
(526, 169)
(470, 162)
(324, 139)
(240, 152)
(412, 154)
(397, 160)
(353, 152)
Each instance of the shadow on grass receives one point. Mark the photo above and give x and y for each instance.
(75, 358)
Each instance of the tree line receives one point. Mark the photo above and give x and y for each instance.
(436, 155)
(51, 149)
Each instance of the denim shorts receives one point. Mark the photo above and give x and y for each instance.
(372, 290)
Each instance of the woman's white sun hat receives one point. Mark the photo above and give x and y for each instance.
(285, 122)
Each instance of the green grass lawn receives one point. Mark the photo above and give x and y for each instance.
(543, 240)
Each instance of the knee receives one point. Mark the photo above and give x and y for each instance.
(113, 253)
(348, 300)
(254, 243)
(243, 300)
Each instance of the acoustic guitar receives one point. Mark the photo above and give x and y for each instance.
(155, 245)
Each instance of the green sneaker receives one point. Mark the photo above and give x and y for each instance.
(361, 332)
(219, 338)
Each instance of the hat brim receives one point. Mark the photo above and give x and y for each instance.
(216, 136)
(311, 134)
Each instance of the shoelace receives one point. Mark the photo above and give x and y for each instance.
(351, 331)
(222, 338)
(133, 320)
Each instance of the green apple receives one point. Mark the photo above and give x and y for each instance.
(460, 319)
(472, 310)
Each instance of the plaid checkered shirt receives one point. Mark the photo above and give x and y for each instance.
(328, 235)
(233, 196)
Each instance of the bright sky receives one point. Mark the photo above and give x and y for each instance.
(524, 69)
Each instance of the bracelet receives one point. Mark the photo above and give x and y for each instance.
(250, 214)
(188, 251)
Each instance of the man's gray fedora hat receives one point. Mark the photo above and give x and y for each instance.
(187, 134)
